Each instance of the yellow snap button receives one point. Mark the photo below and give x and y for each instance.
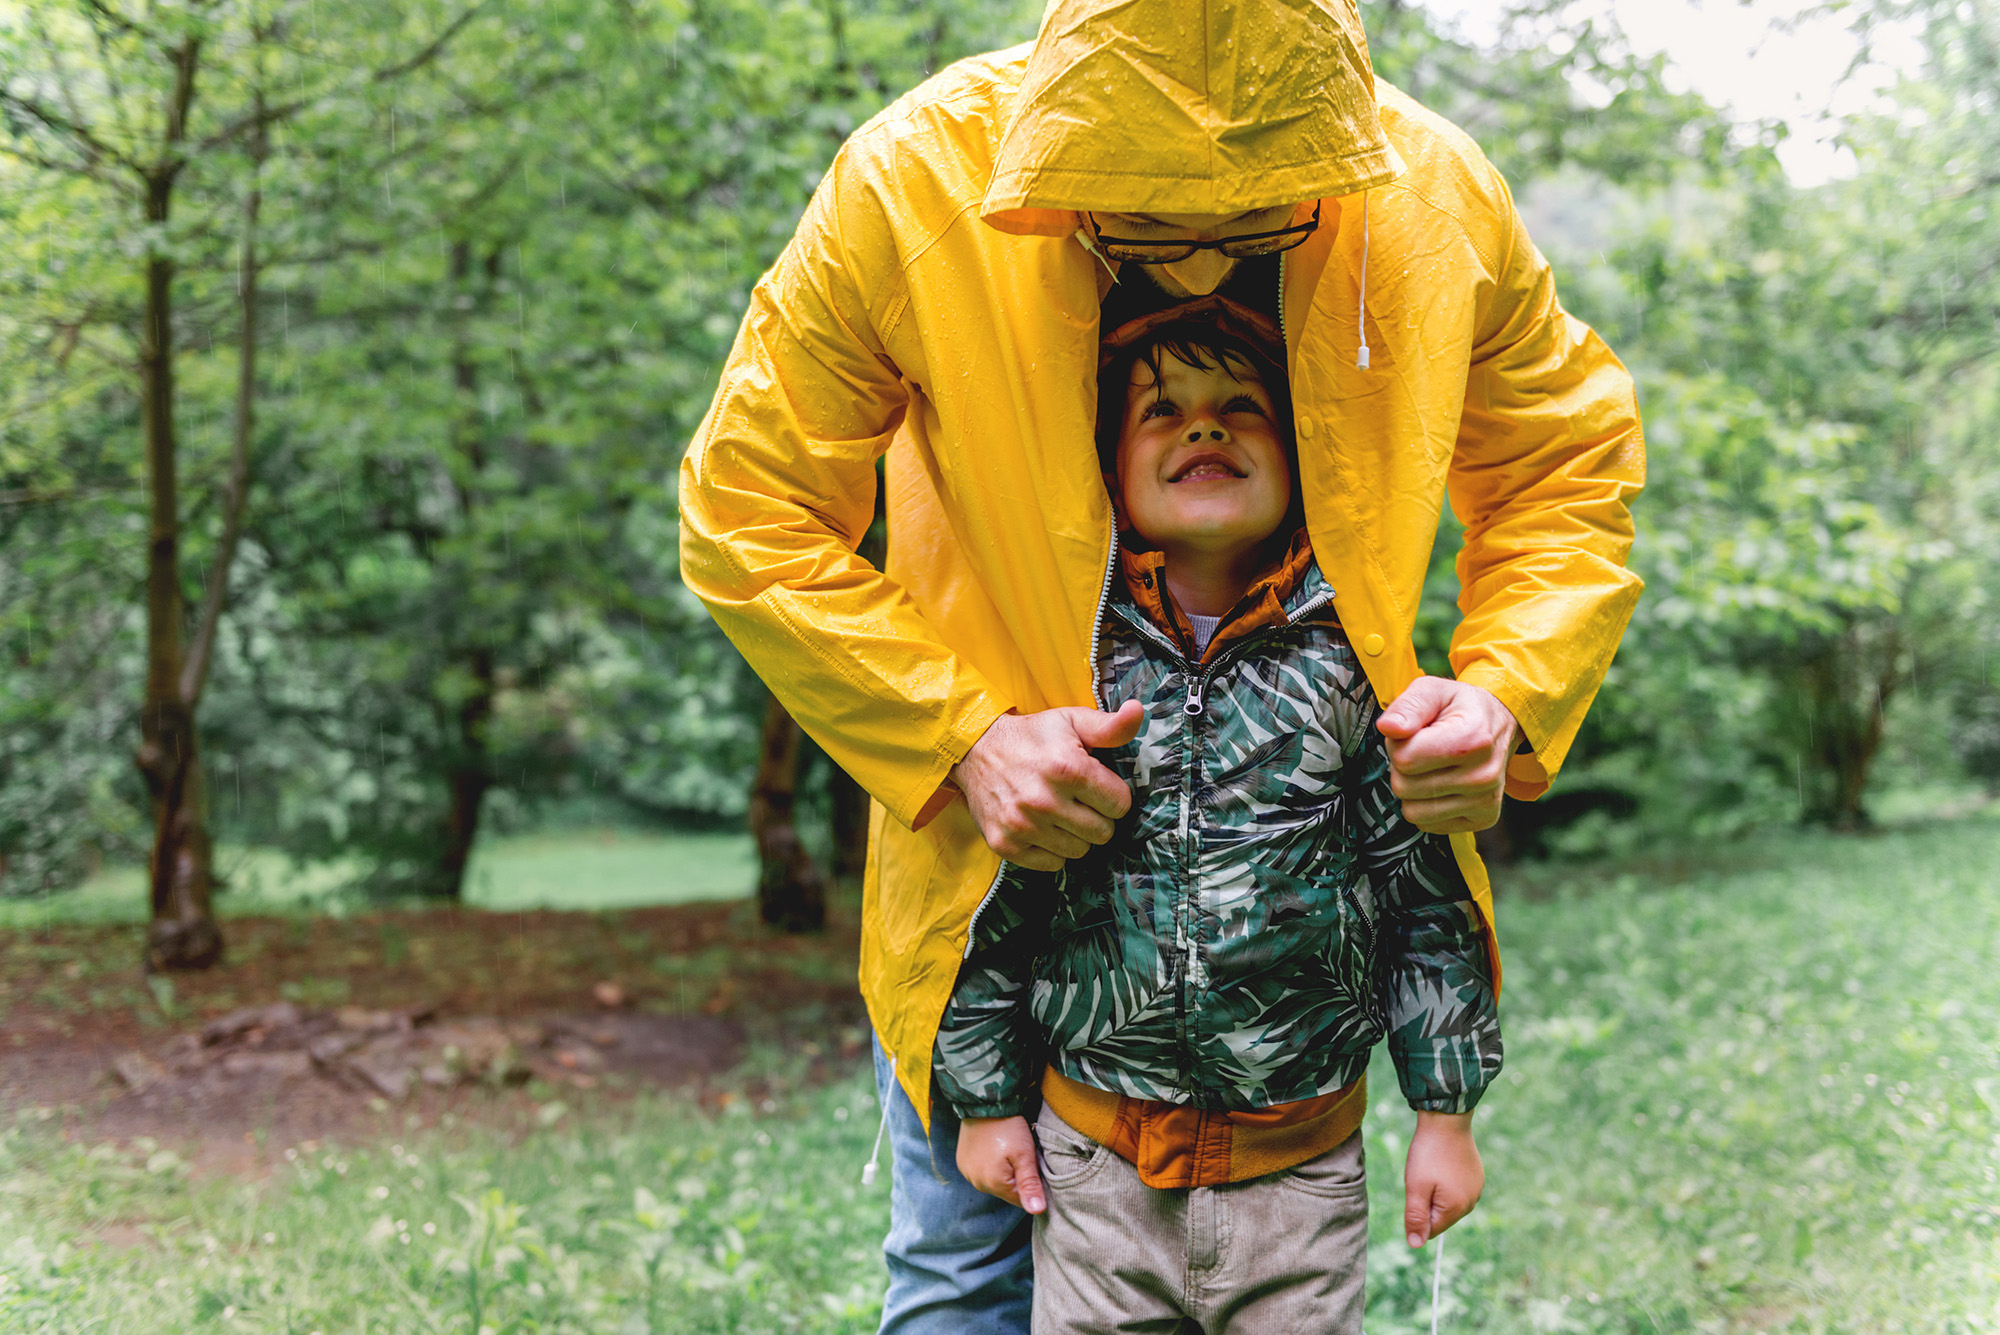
(1305, 427)
(1372, 645)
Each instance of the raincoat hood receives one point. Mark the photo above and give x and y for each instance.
(1188, 106)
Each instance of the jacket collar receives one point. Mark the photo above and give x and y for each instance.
(1274, 598)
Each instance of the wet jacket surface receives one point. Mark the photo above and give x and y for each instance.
(900, 320)
(1260, 919)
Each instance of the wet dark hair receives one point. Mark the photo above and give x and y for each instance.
(1202, 345)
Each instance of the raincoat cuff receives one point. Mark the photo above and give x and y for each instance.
(970, 725)
(1527, 777)
(947, 792)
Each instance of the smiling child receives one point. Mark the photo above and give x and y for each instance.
(1187, 1011)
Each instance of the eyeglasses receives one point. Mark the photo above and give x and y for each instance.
(1248, 246)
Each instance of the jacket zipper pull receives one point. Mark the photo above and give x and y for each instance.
(1193, 706)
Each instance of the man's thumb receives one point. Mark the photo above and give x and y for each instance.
(1099, 731)
(1416, 708)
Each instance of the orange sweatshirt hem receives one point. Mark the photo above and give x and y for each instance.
(1173, 1145)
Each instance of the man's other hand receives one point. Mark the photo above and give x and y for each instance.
(1035, 791)
(997, 1155)
(1448, 747)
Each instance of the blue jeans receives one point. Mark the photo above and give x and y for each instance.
(959, 1260)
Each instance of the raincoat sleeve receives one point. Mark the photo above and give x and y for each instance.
(1433, 976)
(777, 489)
(1548, 459)
(988, 1055)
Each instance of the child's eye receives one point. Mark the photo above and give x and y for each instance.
(1243, 403)
(1160, 408)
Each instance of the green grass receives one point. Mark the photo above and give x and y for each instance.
(668, 1219)
(577, 869)
(1760, 1097)
(610, 869)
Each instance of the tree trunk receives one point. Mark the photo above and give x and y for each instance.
(1850, 755)
(470, 776)
(850, 823)
(469, 773)
(848, 800)
(1848, 687)
(183, 933)
(791, 889)
(194, 672)
(1495, 843)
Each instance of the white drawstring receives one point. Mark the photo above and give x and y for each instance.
(868, 1169)
(1089, 243)
(1361, 305)
(1437, 1274)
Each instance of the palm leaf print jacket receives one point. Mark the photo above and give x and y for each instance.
(1260, 918)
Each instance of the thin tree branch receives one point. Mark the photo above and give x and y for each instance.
(390, 73)
(187, 60)
(117, 20)
(58, 123)
(1973, 187)
(120, 105)
(108, 356)
(471, 106)
(36, 496)
(194, 669)
(476, 200)
(56, 65)
(259, 119)
(82, 167)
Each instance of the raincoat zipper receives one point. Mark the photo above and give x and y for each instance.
(972, 928)
(1103, 601)
(1096, 694)
(1283, 256)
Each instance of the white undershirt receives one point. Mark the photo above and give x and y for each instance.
(1204, 631)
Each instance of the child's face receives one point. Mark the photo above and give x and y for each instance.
(1201, 466)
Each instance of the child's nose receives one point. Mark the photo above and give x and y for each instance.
(1215, 433)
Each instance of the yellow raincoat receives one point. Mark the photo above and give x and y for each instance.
(936, 305)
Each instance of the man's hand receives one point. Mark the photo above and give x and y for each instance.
(997, 1155)
(1037, 794)
(1448, 748)
(1442, 1176)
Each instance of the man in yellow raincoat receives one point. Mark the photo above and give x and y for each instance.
(940, 305)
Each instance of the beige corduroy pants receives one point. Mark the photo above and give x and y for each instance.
(1284, 1254)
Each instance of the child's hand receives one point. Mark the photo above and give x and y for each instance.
(997, 1155)
(1442, 1177)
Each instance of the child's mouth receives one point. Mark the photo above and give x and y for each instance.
(1205, 468)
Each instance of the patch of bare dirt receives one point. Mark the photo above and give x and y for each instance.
(344, 1028)
(291, 1074)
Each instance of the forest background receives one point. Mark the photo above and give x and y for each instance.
(347, 353)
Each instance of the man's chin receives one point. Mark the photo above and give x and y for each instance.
(1167, 283)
